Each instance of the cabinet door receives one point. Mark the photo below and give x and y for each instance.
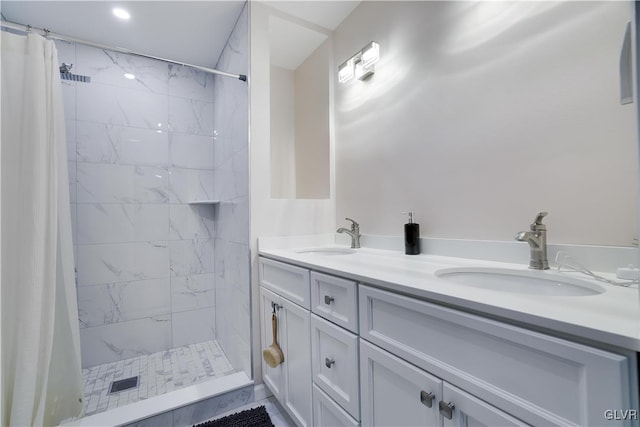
(460, 409)
(296, 346)
(541, 379)
(290, 382)
(273, 377)
(395, 393)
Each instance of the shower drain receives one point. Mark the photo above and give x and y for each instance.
(124, 384)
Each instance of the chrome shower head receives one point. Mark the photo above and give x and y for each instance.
(65, 74)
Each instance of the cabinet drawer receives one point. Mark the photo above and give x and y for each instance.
(539, 379)
(286, 280)
(335, 299)
(334, 363)
(327, 413)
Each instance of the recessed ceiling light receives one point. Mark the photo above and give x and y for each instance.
(130, 76)
(121, 13)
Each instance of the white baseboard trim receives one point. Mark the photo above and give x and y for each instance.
(260, 392)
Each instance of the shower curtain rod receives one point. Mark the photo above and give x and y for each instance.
(57, 36)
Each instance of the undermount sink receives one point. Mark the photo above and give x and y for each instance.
(532, 282)
(327, 251)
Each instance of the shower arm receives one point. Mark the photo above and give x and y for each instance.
(46, 33)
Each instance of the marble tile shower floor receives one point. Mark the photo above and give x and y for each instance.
(159, 373)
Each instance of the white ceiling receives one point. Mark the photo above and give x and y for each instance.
(290, 44)
(325, 13)
(193, 32)
(292, 40)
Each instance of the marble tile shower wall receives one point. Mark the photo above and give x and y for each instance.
(139, 151)
(233, 283)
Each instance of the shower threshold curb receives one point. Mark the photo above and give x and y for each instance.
(142, 409)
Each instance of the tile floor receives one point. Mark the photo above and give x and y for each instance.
(159, 373)
(278, 415)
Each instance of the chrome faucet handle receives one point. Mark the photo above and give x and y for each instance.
(354, 233)
(537, 223)
(354, 224)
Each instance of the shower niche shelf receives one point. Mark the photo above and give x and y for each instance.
(204, 202)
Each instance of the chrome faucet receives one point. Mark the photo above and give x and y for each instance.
(354, 233)
(537, 240)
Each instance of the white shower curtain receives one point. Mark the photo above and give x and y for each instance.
(41, 370)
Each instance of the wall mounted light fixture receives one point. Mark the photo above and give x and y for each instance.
(361, 65)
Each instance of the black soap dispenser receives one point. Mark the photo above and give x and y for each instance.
(411, 237)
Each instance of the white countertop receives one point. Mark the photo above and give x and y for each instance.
(608, 319)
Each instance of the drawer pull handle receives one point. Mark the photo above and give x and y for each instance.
(329, 362)
(446, 409)
(328, 300)
(427, 398)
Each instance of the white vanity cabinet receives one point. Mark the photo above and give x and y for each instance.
(317, 348)
(286, 287)
(491, 373)
(409, 362)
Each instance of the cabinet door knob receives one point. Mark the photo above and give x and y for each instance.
(328, 300)
(427, 398)
(328, 362)
(446, 409)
